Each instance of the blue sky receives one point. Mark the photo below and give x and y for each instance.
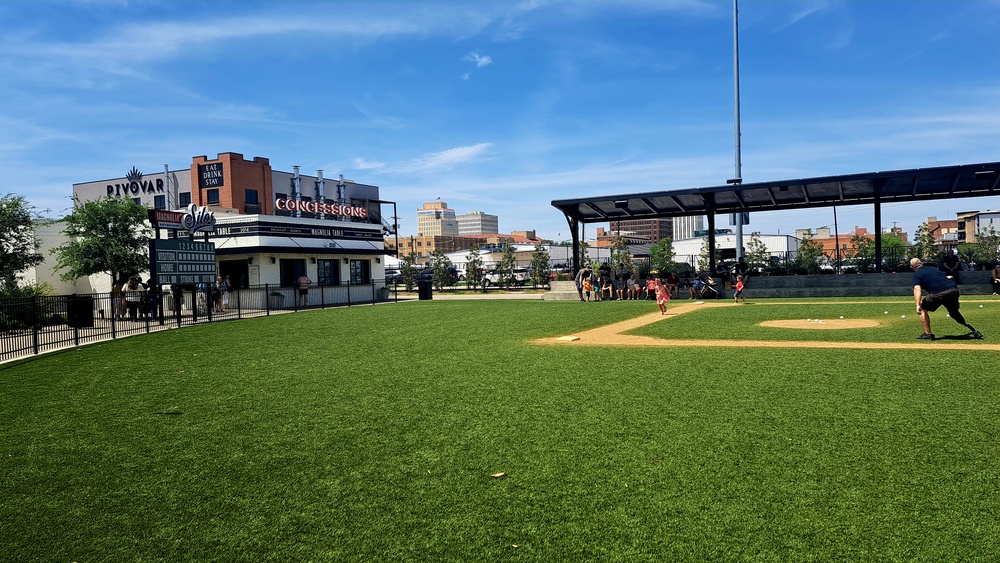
(503, 106)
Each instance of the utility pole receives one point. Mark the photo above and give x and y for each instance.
(738, 179)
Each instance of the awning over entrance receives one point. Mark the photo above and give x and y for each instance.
(875, 188)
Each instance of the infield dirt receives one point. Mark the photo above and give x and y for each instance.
(612, 334)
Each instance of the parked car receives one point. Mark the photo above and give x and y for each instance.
(492, 277)
(831, 268)
(427, 274)
(393, 277)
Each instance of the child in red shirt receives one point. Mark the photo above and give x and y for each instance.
(739, 290)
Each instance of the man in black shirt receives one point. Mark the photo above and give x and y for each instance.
(951, 266)
(941, 290)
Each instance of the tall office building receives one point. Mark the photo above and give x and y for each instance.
(652, 230)
(434, 218)
(684, 227)
(478, 223)
(649, 230)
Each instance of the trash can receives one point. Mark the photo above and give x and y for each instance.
(80, 311)
(425, 290)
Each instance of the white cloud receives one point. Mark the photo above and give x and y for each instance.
(360, 163)
(445, 159)
(480, 60)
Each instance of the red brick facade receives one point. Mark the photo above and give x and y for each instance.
(238, 175)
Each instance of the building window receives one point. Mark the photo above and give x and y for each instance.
(183, 199)
(212, 196)
(291, 269)
(160, 202)
(250, 196)
(361, 271)
(137, 201)
(328, 272)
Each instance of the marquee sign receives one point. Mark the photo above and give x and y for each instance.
(198, 219)
(275, 228)
(290, 204)
(181, 262)
(165, 219)
(194, 219)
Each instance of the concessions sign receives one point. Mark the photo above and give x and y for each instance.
(289, 204)
(182, 262)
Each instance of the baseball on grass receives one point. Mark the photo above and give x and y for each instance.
(902, 316)
(886, 313)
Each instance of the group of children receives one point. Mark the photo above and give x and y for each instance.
(663, 292)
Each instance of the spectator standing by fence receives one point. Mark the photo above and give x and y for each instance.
(118, 300)
(227, 288)
(134, 292)
(304, 282)
(217, 293)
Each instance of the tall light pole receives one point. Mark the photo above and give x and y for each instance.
(738, 179)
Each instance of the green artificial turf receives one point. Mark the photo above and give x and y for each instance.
(373, 434)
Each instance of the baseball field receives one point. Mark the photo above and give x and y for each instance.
(514, 431)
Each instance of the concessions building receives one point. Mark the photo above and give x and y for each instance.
(270, 226)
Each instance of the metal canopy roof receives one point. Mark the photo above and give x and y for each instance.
(920, 184)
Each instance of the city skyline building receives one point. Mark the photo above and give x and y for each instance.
(652, 230)
(478, 223)
(435, 218)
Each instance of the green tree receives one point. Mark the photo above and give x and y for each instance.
(923, 243)
(661, 256)
(893, 252)
(441, 268)
(408, 270)
(757, 255)
(863, 253)
(539, 266)
(621, 258)
(807, 259)
(986, 253)
(505, 269)
(18, 244)
(474, 268)
(108, 235)
(703, 262)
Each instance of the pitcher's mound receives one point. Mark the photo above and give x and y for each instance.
(822, 324)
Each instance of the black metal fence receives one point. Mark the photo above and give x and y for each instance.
(34, 325)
